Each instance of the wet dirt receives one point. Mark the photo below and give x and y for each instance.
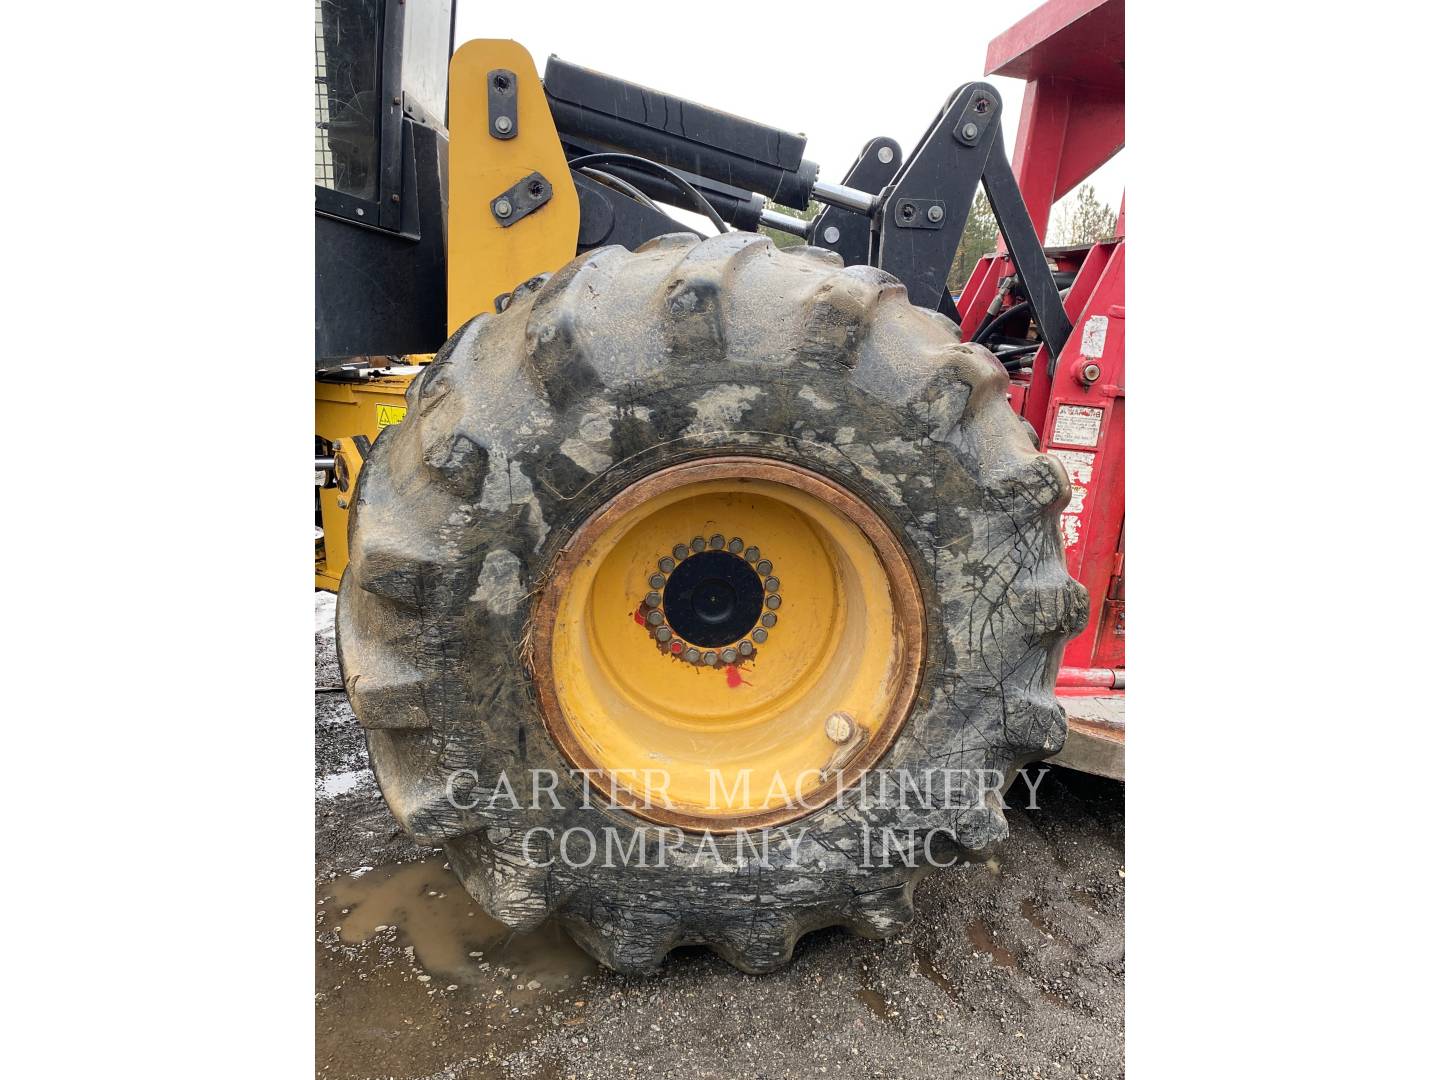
(1013, 967)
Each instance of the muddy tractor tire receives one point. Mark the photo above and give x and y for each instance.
(514, 605)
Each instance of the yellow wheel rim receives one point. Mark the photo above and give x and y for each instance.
(727, 643)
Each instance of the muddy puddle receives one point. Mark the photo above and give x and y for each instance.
(424, 906)
(982, 940)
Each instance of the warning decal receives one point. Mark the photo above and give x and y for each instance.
(1077, 425)
(1080, 466)
(385, 415)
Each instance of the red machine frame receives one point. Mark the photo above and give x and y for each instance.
(1071, 54)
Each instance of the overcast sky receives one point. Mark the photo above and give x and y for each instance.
(837, 76)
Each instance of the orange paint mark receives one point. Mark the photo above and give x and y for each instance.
(640, 614)
(732, 676)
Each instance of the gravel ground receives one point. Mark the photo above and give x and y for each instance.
(1013, 967)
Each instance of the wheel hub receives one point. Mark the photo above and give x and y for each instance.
(665, 662)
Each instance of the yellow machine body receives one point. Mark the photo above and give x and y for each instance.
(485, 259)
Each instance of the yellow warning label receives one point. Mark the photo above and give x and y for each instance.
(385, 415)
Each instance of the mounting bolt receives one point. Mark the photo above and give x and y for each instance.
(763, 567)
(667, 564)
(768, 619)
(886, 155)
(503, 124)
(735, 546)
(692, 655)
(728, 656)
(662, 634)
(680, 551)
(655, 618)
(746, 648)
(752, 554)
(717, 541)
(652, 600)
(936, 214)
(697, 545)
(831, 234)
(760, 635)
(657, 581)
(969, 132)
(503, 208)
(772, 584)
(709, 659)
(394, 198)
(1090, 373)
(772, 601)
(839, 727)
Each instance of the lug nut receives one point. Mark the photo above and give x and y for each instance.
(768, 619)
(763, 567)
(772, 601)
(772, 584)
(657, 581)
(735, 546)
(760, 635)
(839, 727)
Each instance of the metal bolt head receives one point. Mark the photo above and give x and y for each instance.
(769, 619)
(1090, 372)
(692, 655)
(735, 546)
(763, 567)
(697, 545)
(503, 208)
(772, 601)
(663, 634)
(839, 727)
(886, 155)
(652, 599)
(969, 131)
(746, 648)
(709, 659)
(717, 541)
(772, 584)
(655, 618)
(752, 554)
(667, 564)
(728, 656)
(935, 213)
(831, 234)
(503, 125)
(680, 552)
(657, 581)
(760, 635)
